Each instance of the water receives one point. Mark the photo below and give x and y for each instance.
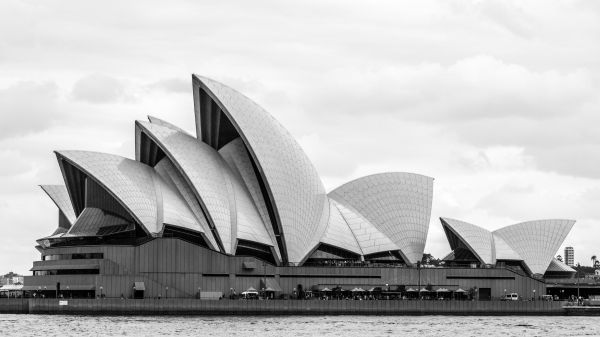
(261, 326)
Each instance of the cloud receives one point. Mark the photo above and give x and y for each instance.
(98, 88)
(497, 100)
(174, 85)
(28, 107)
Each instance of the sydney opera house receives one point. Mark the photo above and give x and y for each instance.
(239, 205)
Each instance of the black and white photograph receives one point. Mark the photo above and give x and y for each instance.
(300, 168)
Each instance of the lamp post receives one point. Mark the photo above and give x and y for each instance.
(45, 289)
(578, 283)
(504, 294)
(68, 291)
(166, 292)
(199, 293)
(264, 275)
(101, 291)
(534, 294)
(419, 285)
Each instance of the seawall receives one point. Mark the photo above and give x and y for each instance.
(177, 306)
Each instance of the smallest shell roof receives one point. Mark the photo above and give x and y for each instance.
(534, 242)
(558, 266)
(60, 197)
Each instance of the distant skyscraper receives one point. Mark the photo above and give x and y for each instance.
(569, 256)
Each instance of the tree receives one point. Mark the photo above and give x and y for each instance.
(594, 259)
(559, 258)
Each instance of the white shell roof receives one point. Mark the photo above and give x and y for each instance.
(369, 238)
(60, 197)
(91, 220)
(338, 233)
(226, 199)
(139, 189)
(236, 156)
(533, 242)
(478, 239)
(292, 182)
(170, 175)
(536, 241)
(558, 266)
(397, 204)
(503, 250)
(203, 168)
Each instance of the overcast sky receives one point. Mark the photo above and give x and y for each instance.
(498, 101)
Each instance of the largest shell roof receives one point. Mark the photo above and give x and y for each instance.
(243, 178)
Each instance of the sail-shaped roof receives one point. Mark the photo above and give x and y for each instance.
(398, 204)
(300, 209)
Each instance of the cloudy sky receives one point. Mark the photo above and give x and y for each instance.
(499, 101)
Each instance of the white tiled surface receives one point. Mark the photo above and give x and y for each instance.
(91, 220)
(160, 122)
(227, 200)
(338, 232)
(536, 241)
(503, 250)
(533, 242)
(131, 182)
(176, 211)
(397, 204)
(60, 197)
(369, 238)
(236, 156)
(170, 174)
(557, 266)
(203, 168)
(478, 239)
(296, 188)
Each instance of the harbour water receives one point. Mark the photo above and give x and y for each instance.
(266, 326)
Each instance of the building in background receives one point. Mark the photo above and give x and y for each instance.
(11, 278)
(240, 206)
(570, 256)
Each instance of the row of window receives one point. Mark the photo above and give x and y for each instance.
(77, 256)
(66, 272)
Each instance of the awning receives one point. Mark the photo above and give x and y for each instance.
(410, 290)
(42, 288)
(69, 287)
(459, 290)
(139, 286)
(357, 290)
(11, 287)
(270, 285)
(65, 266)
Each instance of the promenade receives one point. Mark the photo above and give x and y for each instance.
(180, 306)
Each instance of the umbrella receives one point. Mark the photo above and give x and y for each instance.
(423, 290)
(410, 290)
(442, 290)
(325, 289)
(459, 290)
(357, 290)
